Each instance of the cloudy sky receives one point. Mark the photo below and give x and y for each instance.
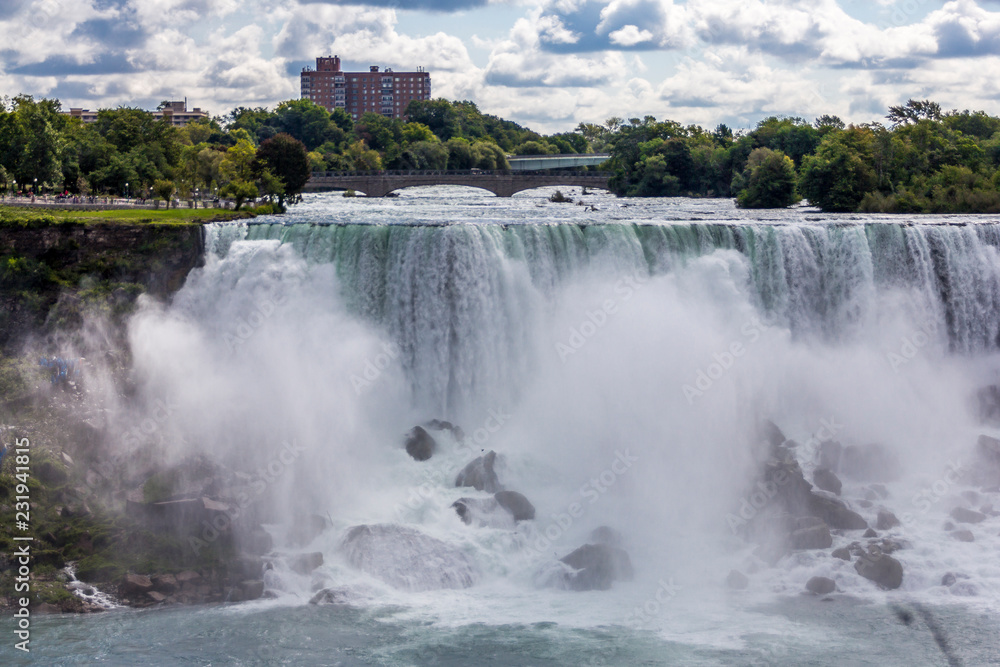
(549, 64)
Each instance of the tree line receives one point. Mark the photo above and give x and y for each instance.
(921, 160)
(249, 152)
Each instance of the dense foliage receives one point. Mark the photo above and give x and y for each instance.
(249, 152)
(924, 160)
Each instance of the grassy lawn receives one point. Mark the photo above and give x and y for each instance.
(174, 216)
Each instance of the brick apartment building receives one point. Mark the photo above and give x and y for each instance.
(386, 93)
(175, 113)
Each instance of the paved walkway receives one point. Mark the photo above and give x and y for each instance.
(104, 203)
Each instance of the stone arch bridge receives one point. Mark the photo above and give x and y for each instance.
(500, 183)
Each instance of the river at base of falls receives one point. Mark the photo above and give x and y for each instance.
(795, 630)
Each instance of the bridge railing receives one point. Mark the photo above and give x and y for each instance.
(456, 172)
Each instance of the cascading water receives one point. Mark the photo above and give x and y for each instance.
(617, 366)
(461, 300)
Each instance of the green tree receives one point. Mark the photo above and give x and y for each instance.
(287, 159)
(363, 158)
(535, 148)
(164, 189)
(425, 155)
(308, 122)
(239, 191)
(839, 175)
(438, 115)
(826, 123)
(237, 165)
(769, 181)
(459, 153)
(414, 132)
(32, 140)
(913, 111)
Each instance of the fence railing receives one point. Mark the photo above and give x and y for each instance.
(458, 172)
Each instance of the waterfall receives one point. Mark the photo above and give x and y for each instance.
(461, 300)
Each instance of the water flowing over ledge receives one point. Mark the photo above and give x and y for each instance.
(460, 292)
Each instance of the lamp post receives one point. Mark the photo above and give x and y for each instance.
(126, 190)
(35, 191)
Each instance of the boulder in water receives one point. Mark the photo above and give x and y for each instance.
(329, 596)
(790, 484)
(815, 535)
(408, 559)
(821, 585)
(870, 463)
(439, 425)
(597, 566)
(988, 449)
(886, 520)
(888, 546)
(516, 504)
(988, 399)
(165, 583)
(843, 553)
(480, 475)
(880, 490)
(835, 514)
(134, 584)
(771, 434)
(829, 455)
(484, 512)
(963, 535)
(824, 479)
(963, 515)
(778, 446)
(419, 444)
(884, 570)
(305, 563)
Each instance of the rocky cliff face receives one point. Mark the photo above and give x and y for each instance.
(49, 272)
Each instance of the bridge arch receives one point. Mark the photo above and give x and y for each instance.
(474, 186)
(500, 183)
(590, 186)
